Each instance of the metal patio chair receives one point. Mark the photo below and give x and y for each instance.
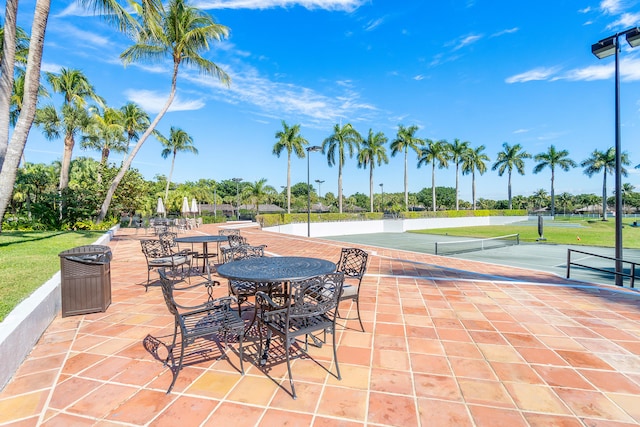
(353, 264)
(158, 256)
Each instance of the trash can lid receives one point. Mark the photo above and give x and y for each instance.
(86, 250)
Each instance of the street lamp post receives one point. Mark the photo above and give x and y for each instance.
(319, 181)
(604, 48)
(309, 150)
(382, 203)
(237, 181)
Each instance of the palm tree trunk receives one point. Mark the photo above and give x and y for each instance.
(340, 186)
(604, 196)
(166, 190)
(473, 187)
(289, 182)
(65, 166)
(29, 103)
(406, 181)
(6, 78)
(433, 186)
(371, 188)
(553, 194)
(126, 164)
(457, 178)
(509, 190)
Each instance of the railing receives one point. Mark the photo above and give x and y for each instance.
(631, 275)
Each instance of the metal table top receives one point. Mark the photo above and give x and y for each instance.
(205, 238)
(275, 269)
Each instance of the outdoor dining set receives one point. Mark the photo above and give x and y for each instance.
(292, 298)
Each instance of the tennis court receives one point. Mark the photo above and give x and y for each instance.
(541, 256)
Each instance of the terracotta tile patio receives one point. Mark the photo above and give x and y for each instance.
(447, 343)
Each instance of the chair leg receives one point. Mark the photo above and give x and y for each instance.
(287, 350)
(176, 371)
(335, 352)
(358, 309)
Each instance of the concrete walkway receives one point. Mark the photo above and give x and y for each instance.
(448, 342)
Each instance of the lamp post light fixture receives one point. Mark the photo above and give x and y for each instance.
(319, 181)
(309, 150)
(382, 203)
(237, 181)
(604, 48)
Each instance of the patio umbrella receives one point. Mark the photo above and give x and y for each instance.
(194, 207)
(160, 207)
(185, 206)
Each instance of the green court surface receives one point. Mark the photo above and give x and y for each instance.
(537, 256)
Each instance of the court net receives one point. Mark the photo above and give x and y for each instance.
(461, 246)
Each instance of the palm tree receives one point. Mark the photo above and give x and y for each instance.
(257, 192)
(540, 198)
(552, 158)
(405, 139)
(179, 141)
(604, 161)
(71, 120)
(434, 153)
(106, 134)
(342, 136)
(180, 32)
(565, 199)
(474, 159)
(457, 150)
(511, 157)
(134, 120)
(289, 139)
(372, 151)
(75, 89)
(627, 189)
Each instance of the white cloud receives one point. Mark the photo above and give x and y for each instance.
(464, 41)
(343, 5)
(540, 73)
(82, 37)
(74, 9)
(626, 20)
(611, 7)
(48, 67)
(507, 31)
(520, 131)
(372, 25)
(153, 102)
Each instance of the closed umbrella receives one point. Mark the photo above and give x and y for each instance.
(160, 207)
(185, 206)
(194, 207)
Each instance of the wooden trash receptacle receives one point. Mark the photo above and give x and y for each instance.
(85, 279)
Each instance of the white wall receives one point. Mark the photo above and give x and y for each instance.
(343, 228)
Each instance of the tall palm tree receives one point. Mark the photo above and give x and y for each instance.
(552, 158)
(179, 141)
(565, 199)
(474, 160)
(75, 88)
(11, 149)
(334, 146)
(289, 139)
(457, 150)
(436, 153)
(605, 162)
(511, 157)
(372, 151)
(180, 32)
(134, 121)
(405, 140)
(627, 189)
(540, 198)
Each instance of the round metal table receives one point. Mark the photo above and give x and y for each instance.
(275, 269)
(205, 239)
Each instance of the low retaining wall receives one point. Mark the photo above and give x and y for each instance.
(26, 323)
(343, 228)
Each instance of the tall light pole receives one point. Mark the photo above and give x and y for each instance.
(237, 181)
(604, 48)
(309, 150)
(319, 181)
(382, 203)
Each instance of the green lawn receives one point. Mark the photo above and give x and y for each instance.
(29, 258)
(593, 232)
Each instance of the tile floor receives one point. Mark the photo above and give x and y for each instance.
(447, 343)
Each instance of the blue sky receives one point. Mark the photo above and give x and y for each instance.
(483, 71)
